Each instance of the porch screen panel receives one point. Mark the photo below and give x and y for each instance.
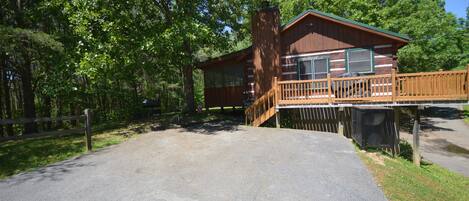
(214, 78)
(233, 76)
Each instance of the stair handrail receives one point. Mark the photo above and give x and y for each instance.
(270, 98)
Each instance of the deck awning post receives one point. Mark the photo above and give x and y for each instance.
(340, 117)
(393, 85)
(277, 117)
(467, 83)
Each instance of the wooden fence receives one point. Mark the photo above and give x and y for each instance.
(87, 128)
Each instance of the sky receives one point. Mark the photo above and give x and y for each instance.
(457, 7)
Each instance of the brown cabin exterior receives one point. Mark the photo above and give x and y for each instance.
(310, 46)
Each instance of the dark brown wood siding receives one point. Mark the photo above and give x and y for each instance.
(313, 34)
(224, 96)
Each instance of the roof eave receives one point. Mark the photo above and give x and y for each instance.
(235, 56)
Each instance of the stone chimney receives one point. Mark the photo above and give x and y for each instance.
(266, 47)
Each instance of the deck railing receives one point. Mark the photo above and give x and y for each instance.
(395, 88)
(391, 88)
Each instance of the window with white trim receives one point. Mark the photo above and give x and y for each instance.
(360, 60)
(310, 69)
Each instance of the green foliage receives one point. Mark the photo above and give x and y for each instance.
(23, 155)
(110, 55)
(400, 179)
(22, 44)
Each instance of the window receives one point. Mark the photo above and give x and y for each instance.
(360, 60)
(310, 69)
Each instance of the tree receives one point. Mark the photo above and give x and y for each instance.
(27, 49)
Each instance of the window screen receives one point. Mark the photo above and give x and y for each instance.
(233, 76)
(320, 68)
(313, 68)
(360, 60)
(306, 70)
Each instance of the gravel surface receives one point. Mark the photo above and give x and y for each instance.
(444, 138)
(209, 162)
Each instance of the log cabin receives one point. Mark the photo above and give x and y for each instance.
(321, 60)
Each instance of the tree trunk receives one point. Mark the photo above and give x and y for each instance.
(189, 80)
(1, 94)
(72, 113)
(47, 112)
(59, 105)
(7, 96)
(29, 109)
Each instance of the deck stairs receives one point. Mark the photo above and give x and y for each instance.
(262, 109)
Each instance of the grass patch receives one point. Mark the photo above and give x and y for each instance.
(400, 179)
(466, 113)
(24, 155)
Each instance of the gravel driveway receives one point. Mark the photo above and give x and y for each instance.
(210, 162)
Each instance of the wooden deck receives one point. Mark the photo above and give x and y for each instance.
(393, 89)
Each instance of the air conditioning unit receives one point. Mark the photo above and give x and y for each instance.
(373, 127)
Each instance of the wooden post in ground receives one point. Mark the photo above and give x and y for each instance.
(467, 82)
(340, 118)
(277, 118)
(88, 129)
(397, 148)
(416, 140)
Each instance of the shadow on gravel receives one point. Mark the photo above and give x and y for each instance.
(447, 148)
(444, 113)
(427, 124)
(54, 172)
(213, 127)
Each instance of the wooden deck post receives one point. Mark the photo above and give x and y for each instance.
(393, 84)
(416, 140)
(329, 88)
(88, 130)
(277, 118)
(340, 117)
(397, 148)
(276, 92)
